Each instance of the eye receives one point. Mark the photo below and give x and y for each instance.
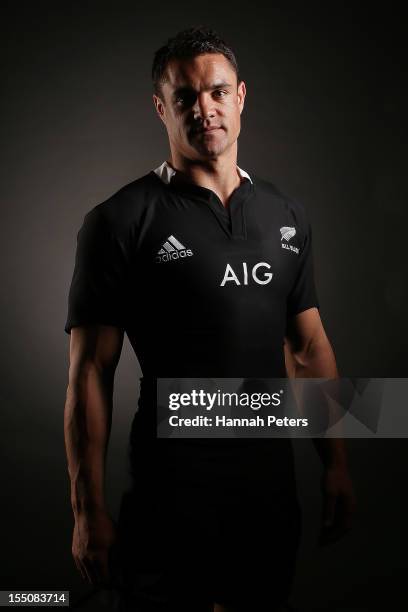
(185, 99)
(220, 93)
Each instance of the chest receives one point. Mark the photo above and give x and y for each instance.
(195, 248)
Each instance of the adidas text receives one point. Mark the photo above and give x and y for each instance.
(174, 255)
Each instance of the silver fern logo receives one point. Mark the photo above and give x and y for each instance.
(287, 234)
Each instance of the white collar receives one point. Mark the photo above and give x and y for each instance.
(165, 172)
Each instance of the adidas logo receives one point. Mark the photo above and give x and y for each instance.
(172, 249)
(286, 234)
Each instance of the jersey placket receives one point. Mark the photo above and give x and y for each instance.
(232, 216)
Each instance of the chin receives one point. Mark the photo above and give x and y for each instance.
(212, 152)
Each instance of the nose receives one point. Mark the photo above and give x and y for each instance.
(204, 106)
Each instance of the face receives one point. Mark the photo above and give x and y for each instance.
(201, 106)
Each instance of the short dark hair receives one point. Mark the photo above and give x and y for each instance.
(188, 44)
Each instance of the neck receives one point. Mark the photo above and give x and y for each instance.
(219, 174)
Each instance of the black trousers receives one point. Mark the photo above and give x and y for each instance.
(208, 523)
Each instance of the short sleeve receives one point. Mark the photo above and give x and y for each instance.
(97, 294)
(303, 294)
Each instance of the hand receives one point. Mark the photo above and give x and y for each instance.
(92, 545)
(339, 505)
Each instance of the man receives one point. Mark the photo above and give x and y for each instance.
(209, 272)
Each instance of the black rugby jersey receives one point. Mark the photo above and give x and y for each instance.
(200, 289)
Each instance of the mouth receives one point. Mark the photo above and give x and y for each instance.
(207, 130)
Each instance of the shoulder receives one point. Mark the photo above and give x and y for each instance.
(270, 195)
(126, 207)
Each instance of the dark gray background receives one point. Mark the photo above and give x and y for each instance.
(324, 120)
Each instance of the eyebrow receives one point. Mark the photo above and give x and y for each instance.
(186, 89)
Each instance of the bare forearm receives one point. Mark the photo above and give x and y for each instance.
(319, 362)
(87, 424)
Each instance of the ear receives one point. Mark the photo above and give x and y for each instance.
(241, 96)
(160, 108)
